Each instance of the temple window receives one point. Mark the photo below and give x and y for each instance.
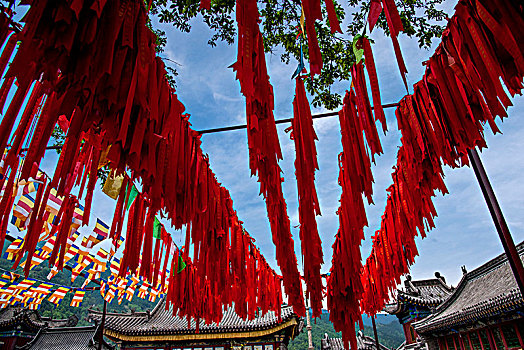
(484, 340)
(456, 342)
(451, 344)
(465, 341)
(412, 333)
(519, 329)
(510, 335)
(441, 344)
(475, 342)
(497, 337)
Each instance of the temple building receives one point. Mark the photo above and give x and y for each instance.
(70, 338)
(159, 329)
(485, 311)
(19, 325)
(363, 343)
(416, 301)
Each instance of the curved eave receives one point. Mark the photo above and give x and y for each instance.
(393, 309)
(498, 306)
(418, 301)
(153, 335)
(478, 313)
(21, 319)
(137, 326)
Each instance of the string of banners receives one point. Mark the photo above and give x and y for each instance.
(84, 256)
(30, 293)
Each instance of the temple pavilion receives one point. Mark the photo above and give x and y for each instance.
(159, 329)
(19, 325)
(484, 312)
(417, 300)
(67, 338)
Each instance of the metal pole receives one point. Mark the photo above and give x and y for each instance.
(498, 218)
(375, 332)
(281, 121)
(308, 327)
(102, 323)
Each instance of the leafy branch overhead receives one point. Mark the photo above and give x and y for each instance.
(280, 25)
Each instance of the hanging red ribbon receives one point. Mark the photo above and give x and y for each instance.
(306, 164)
(264, 147)
(99, 76)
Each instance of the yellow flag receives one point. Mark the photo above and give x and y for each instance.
(103, 158)
(113, 185)
(302, 18)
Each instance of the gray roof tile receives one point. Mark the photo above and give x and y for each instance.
(71, 338)
(363, 343)
(162, 321)
(488, 291)
(428, 292)
(32, 318)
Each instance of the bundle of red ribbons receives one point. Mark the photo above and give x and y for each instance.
(359, 133)
(241, 278)
(312, 11)
(90, 66)
(306, 164)
(395, 26)
(445, 116)
(264, 147)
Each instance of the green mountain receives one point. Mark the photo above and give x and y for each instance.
(389, 334)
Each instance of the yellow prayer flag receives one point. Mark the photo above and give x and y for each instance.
(113, 185)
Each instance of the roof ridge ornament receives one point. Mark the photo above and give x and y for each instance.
(442, 280)
(410, 287)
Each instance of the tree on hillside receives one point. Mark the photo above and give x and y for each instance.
(64, 310)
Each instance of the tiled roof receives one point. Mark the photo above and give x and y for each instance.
(14, 315)
(65, 338)
(488, 291)
(363, 343)
(430, 292)
(162, 322)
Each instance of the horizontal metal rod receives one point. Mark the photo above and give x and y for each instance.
(48, 148)
(280, 121)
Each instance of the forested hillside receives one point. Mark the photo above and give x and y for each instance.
(91, 298)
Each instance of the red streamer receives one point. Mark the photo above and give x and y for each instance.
(264, 148)
(101, 79)
(305, 166)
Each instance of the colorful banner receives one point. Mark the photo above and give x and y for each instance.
(77, 298)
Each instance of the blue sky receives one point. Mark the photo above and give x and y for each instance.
(465, 234)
